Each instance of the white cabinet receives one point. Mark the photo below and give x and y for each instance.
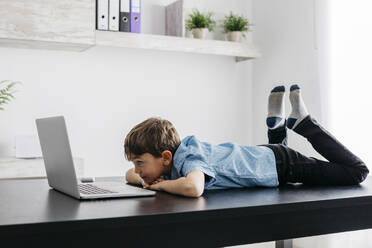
(47, 24)
(70, 25)
(11, 168)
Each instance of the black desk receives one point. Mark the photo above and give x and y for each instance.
(33, 214)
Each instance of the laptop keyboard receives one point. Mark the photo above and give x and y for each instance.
(90, 189)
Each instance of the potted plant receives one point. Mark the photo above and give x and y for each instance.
(200, 24)
(235, 26)
(6, 92)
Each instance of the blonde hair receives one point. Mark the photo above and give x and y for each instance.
(153, 136)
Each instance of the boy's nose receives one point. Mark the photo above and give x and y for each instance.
(136, 170)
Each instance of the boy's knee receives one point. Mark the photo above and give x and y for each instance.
(364, 173)
(361, 173)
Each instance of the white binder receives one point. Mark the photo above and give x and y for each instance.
(114, 11)
(102, 14)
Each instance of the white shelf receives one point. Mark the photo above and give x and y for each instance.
(43, 24)
(241, 51)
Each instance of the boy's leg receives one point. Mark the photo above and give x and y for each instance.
(299, 111)
(275, 121)
(343, 166)
(277, 130)
(278, 135)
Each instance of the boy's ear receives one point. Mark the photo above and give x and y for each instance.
(167, 157)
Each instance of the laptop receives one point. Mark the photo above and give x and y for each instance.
(60, 168)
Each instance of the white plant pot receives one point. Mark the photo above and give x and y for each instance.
(235, 36)
(200, 33)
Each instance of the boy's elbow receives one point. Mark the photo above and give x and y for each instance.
(132, 177)
(194, 190)
(127, 175)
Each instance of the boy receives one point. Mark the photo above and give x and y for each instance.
(187, 167)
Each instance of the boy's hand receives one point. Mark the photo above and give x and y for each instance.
(155, 184)
(192, 185)
(144, 184)
(158, 180)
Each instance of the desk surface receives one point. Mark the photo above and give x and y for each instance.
(265, 214)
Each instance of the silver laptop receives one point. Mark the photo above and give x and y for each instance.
(60, 167)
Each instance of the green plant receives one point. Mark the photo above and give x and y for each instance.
(200, 20)
(233, 23)
(6, 92)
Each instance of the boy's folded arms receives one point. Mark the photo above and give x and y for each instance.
(192, 185)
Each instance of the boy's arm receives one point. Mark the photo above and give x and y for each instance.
(134, 178)
(192, 185)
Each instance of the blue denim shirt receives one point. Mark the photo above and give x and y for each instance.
(227, 165)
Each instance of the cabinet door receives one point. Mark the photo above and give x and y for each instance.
(11, 168)
(47, 23)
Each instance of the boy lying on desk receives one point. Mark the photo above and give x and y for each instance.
(187, 167)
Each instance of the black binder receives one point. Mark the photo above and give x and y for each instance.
(124, 22)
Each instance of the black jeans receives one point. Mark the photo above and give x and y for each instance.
(342, 167)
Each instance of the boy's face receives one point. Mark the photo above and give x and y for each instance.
(150, 168)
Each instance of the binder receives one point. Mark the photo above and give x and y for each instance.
(114, 15)
(102, 14)
(174, 19)
(135, 16)
(124, 21)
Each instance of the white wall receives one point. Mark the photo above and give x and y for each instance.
(295, 38)
(104, 92)
(285, 31)
(350, 75)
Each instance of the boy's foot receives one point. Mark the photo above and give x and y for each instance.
(275, 117)
(299, 111)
